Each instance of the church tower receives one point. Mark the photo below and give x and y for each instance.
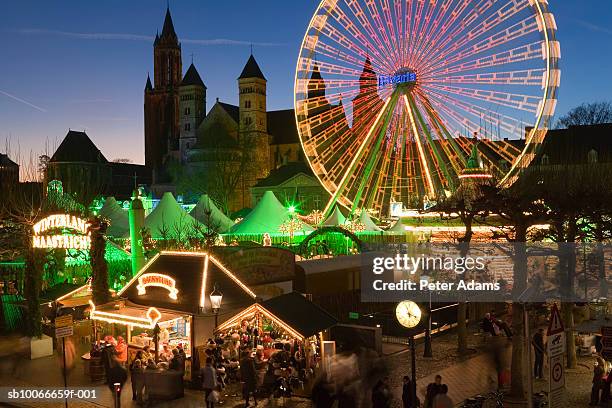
(253, 116)
(161, 103)
(192, 109)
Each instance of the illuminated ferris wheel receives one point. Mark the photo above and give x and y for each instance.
(392, 96)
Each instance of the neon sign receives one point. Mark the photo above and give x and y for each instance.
(159, 280)
(64, 241)
(152, 316)
(407, 77)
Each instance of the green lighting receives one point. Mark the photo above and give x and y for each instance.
(291, 209)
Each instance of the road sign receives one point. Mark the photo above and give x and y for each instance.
(63, 321)
(556, 344)
(556, 381)
(65, 331)
(555, 325)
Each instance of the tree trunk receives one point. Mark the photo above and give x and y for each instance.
(33, 279)
(99, 269)
(520, 282)
(567, 314)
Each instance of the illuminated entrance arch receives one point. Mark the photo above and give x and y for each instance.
(316, 244)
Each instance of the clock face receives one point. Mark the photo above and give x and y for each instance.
(408, 314)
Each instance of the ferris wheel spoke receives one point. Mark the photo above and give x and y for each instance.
(424, 164)
(526, 103)
(356, 157)
(523, 53)
(495, 19)
(501, 121)
(387, 36)
(527, 26)
(520, 77)
(428, 27)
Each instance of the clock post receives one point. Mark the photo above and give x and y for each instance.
(408, 314)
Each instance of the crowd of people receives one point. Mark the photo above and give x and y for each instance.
(263, 372)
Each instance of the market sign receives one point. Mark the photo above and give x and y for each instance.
(159, 280)
(67, 232)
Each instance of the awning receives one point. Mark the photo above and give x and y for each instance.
(131, 314)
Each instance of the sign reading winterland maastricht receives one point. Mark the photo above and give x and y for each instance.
(61, 231)
(404, 78)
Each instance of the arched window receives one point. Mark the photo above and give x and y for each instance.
(247, 104)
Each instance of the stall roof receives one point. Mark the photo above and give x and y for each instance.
(119, 224)
(397, 228)
(293, 311)
(365, 219)
(335, 219)
(300, 313)
(168, 218)
(210, 215)
(182, 281)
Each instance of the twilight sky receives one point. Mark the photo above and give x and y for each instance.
(83, 64)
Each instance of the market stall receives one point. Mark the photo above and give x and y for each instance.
(172, 303)
(288, 323)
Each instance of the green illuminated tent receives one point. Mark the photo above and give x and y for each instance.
(397, 228)
(119, 224)
(169, 220)
(267, 216)
(365, 219)
(208, 214)
(335, 219)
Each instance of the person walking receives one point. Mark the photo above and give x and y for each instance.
(598, 372)
(137, 377)
(442, 400)
(209, 383)
(249, 377)
(381, 395)
(433, 389)
(407, 394)
(538, 346)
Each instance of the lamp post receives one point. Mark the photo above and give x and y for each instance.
(215, 302)
(427, 349)
(408, 314)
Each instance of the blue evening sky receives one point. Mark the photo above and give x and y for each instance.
(83, 64)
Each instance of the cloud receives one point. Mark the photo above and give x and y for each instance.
(594, 27)
(100, 100)
(138, 37)
(22, 101)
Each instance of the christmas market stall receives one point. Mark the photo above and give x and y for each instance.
(174, 301)
(289, 323)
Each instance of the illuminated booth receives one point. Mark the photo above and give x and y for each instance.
(173, 292)
(287, 320)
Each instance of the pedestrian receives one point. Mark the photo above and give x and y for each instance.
(538, 346)
(249, 377)
(115, 374)
(598, 372)
(137, 377)
(407, 393)
(433, 389)
(121, 349)
(442, 400)
(209, 383)
(381, 395)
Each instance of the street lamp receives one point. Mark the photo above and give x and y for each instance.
(428, 351)
(215, 302)
(408, 314)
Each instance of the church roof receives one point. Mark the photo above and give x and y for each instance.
(192, 77)
(78, 147)
(231, 110)
(282, 127)
(148, 86)
(251, 70)
(6, 161)
(284, 173)
(168, 30)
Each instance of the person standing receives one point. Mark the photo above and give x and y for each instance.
(209, 382)
(433, 389)
(442, 400)
(381, 395)
(598, 372)
(538, 346)
(407, 395)
(249, 377)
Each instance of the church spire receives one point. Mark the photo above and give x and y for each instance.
(367, 75)
(148, 86)
(168, 30)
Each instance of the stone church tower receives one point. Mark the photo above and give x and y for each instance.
(161, 104)
(192, 109)
(253, 122)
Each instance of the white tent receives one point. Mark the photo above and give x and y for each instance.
(118, 217)
(365, 219)
(210, 215)
(397, 228)
(335, 219)
(169, 217)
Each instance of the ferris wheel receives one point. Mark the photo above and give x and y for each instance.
(393, 96)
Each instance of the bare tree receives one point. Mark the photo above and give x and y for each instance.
(594, 113)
